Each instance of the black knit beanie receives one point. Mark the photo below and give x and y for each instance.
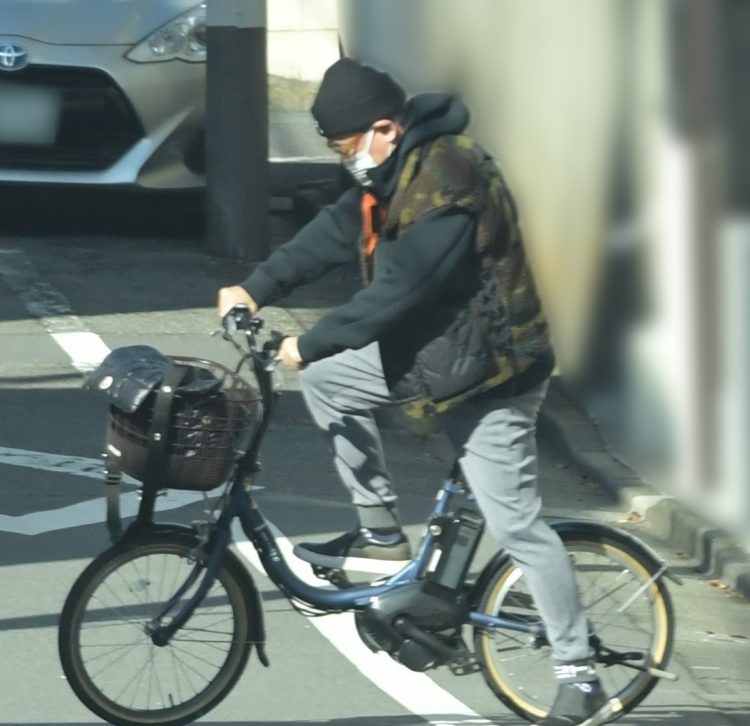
(352, 96)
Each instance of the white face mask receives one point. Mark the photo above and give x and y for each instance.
(360, 163)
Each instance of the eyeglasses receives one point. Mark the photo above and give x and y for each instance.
(346, 146)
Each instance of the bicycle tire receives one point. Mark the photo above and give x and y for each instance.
(136, 598)
(521, 675)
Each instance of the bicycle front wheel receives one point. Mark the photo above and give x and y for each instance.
(630, 615)
(110, 660)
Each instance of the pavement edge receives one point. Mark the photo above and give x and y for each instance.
(714, 551)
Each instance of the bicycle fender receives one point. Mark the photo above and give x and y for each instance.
(569, 529)
(256, 625)
(597, 530)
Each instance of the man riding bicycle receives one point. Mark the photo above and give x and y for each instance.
(448, 323)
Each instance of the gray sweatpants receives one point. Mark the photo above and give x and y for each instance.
(495, 440)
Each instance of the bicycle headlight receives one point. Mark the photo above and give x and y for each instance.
(183, 38)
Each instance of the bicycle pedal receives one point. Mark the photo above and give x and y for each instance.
(464, 666)
(336, 577)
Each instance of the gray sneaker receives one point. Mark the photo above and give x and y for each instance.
(361, 550)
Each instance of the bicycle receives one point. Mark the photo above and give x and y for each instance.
(159, 627)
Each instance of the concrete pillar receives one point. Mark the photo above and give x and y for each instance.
(237, 168)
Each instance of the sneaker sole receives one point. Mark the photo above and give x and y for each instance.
(609, 711)
(357, 564)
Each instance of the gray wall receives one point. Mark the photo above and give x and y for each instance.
(605, 118)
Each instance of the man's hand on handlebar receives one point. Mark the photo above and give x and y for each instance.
(289, 353)
(237, 316)
(230, 297)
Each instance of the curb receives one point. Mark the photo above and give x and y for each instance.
(714, 552)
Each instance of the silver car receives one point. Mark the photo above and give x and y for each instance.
(103, 92)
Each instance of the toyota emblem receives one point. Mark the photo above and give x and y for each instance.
(13, 57)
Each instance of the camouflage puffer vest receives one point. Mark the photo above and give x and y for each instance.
(454, 170)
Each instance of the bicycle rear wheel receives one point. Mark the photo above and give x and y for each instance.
(111, 662)
(629, 611)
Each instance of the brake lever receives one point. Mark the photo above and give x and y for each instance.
(235, 320)
(271, 349)
(229, 325)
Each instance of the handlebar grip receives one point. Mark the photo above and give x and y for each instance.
(239, 318)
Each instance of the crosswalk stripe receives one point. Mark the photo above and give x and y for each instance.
(416, 692)
(84, 348)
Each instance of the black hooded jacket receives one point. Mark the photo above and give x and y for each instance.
(420, 304)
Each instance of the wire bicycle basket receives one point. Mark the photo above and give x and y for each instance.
(205, 432)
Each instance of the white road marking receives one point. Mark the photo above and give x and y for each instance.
(84, 348)
(416, 692)
(91, 511)
(62, 464)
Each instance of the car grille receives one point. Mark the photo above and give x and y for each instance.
(97, 122)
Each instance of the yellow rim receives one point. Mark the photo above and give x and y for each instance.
(660, 609)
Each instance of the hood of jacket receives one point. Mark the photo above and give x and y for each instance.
(426, 117)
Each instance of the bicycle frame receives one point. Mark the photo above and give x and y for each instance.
(416, 615)
(256, 528)
(240, 504)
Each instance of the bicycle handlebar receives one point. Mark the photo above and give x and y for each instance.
(263, 362)
(239, 319)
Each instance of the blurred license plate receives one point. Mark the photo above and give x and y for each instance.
(28, 114)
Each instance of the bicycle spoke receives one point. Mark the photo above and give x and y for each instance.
(209, 627)
(606, 596)
(118, 671)
(584, 573)
(185, 664)
(92, 625)
(135, 623)
(138, 594)
(186, 637)
(614, 617)
(209, 631)
(113, 662)
(621, 610)
(174, 587)
(214, 644)
(158, 683)
(150, 680)
(118, 648)
(176, 677)
(138, 675)
(196, 657)
(524, 656)
(510, 635)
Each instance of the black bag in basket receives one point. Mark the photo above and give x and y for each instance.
(170, 424)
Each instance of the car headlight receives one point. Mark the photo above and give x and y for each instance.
(183, 38)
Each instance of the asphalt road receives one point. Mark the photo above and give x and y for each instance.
(110, 271)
